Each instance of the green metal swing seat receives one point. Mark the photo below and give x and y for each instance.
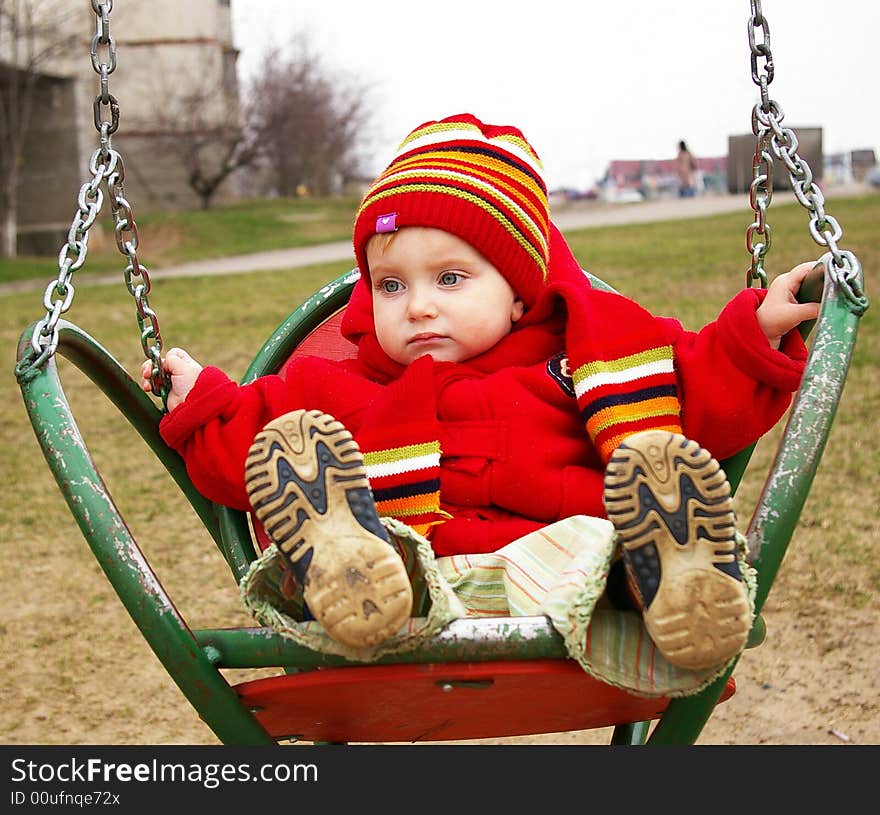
(479, 678)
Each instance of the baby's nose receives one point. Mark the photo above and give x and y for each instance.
(421, 304)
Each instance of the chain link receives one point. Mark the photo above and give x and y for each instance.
(842, 266)
(761, 189)
(106, 166)
(760, 195)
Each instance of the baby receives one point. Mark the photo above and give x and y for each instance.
(494, 391)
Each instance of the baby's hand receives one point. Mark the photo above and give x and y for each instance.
(182, 369)
(781, 312)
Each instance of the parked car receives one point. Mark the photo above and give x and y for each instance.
(873, 176)
(628, 196)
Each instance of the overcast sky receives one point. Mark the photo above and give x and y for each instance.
(590, 81)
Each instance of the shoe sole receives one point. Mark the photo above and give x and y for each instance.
(308, 486)
(670, 503)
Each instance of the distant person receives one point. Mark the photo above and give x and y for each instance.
(496, 391)
(686, 168)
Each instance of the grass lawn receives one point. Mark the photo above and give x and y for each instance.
(177, 237)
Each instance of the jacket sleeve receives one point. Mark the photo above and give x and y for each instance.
(734, 387)
(213, 429)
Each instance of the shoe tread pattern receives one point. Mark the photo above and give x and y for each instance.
(307, 484)
(670, 504)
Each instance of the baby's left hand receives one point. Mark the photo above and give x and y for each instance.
(781, 312)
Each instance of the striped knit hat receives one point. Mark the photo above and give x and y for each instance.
(482, 183)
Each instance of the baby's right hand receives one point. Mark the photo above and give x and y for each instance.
(181, 368)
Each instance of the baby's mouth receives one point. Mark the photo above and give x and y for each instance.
(426, 336)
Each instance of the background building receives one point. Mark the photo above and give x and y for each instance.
(741, 156)
(642, 179)
(167, 52)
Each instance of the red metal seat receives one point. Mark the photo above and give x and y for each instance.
(442, 702)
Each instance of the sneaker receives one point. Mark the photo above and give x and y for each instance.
(308, 486)
(670, 504)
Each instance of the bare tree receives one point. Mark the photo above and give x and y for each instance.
(298, 122)
(309, 122)
(198, 125)
(211, 155)
(33, 33)
(205, 129)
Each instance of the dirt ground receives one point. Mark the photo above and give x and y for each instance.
(91, 679)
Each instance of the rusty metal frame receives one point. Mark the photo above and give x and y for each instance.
(194, 659)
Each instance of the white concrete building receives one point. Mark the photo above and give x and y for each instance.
(167, 51)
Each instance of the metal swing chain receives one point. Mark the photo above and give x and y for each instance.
(840, 264)
(105, 165)
(761, 188)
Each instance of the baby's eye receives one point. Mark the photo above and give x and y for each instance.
(390, 286)
(449, 278)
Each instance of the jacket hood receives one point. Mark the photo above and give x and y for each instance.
(537, 335)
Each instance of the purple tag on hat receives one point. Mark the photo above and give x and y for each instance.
(386, 223)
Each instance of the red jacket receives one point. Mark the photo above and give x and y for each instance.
(514, 452)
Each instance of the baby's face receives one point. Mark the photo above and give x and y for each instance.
(435, 294)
